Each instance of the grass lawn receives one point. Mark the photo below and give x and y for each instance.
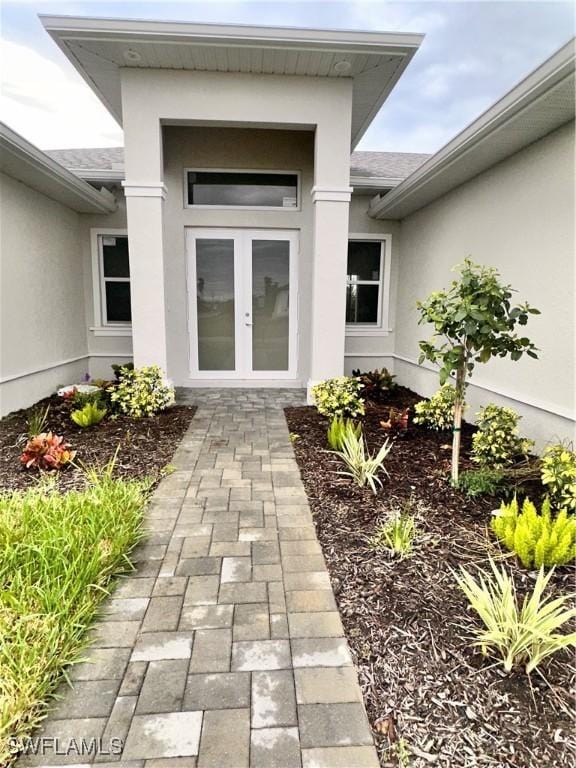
(58, 556)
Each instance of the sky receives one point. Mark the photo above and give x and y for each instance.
(473, 53)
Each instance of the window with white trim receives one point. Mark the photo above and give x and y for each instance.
(114, 270)
(364, 283)
(241, 189)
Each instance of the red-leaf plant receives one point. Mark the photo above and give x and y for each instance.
(47, 451)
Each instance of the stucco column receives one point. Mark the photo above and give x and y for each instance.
(330, 250)
(144, 210)
(145, 193)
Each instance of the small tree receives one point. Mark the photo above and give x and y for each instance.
(473, 321)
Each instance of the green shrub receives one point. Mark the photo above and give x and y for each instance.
(438, 412)
(338, 429)
(396, 534)
(142, 392)
(539, 539)
(58, 553)
(88, 416)
(559, 475)
(118, 369)
(481, 482)
(339, 397)
(375, 382)
(497, 442)
(80, 399)
(519, 634)
(363, 467)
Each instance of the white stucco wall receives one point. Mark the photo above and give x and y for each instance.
(153, 99)
(518, 217)
(374, 349)
(42, 322)
(105, 346)
(231, 148)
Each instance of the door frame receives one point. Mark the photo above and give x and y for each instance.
(242, 301)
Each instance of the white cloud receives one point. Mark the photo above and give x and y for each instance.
(50, 105)
(438, 81)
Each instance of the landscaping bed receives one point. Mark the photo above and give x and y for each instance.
(145, 445)
(72, 500)
(426, 689)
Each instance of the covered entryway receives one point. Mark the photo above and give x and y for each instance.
(242, 303)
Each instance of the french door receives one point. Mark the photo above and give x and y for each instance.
(242, 303)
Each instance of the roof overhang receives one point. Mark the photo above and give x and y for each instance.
(28, 164)
(538, 105)
(98, 48)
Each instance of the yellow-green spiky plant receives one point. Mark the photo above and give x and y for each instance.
(538, 538)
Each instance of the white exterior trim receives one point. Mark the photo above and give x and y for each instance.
(100, 328)
(540, 405)
(144, 189)
(331, 194)
(297, 208)
(42, 368)
(382, 327)
(242, 289)
(110, 330)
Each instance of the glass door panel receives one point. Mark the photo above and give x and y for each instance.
(270, 305)
(215, 304)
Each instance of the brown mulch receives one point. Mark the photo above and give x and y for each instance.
(406, 620)
(145, 446)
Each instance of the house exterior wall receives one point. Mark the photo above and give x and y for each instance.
(155, 98)
(42, 321)
(232, 148)
(518, 217)
(374, 349)
(105, 345)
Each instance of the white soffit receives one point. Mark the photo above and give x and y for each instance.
(28, 164)
(99, 47)
(538, 105)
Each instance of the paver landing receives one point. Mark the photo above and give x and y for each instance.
(225, 648)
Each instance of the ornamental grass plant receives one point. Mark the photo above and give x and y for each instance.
(521, 634)
(58, 555)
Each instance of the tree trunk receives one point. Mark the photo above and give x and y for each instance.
(457, 427)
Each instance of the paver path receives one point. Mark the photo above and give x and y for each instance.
(225, 648)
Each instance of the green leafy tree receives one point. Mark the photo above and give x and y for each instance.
(473, 321)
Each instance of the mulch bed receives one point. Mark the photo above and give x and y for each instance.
(406, 620)
(145, 446)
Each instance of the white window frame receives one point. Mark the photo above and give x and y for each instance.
(102, 327)
(381, 327)
(283, 171)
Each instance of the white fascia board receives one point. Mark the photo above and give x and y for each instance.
(104, 175)
(238, 34)
(79, 195)
(524, 95)
(374, 182)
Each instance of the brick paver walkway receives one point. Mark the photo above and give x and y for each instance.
(225, 648)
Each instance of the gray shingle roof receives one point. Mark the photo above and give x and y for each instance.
(105, 158)
(385, 165)
(382, 165)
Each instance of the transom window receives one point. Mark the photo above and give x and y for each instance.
(241, 189)
(115, 279)
(364, 282)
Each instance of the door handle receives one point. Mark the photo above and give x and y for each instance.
(247, 323)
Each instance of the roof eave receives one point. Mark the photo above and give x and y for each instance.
(397, 43)
(76, 192)
(525, 94)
